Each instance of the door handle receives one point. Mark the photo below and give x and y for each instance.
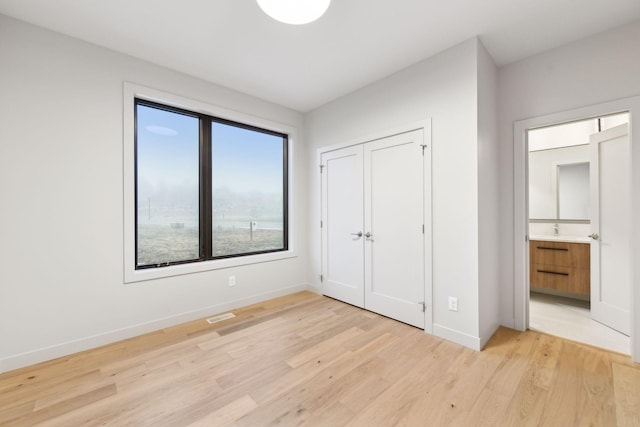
(359, 234)
(368, 236)
(594, 236)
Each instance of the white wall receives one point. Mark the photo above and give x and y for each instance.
(444, 88)
(61, 221)
(488, 197)
(590, 71)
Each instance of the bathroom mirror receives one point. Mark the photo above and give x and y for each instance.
(573, 191)
(559, 183)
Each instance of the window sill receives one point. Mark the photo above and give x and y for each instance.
(132, 275)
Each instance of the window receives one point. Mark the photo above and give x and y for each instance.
(206, 188)
(167, 186)
(248, 177)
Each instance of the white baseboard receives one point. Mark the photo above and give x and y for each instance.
(457, 337)
(314, 289)
(59, 350)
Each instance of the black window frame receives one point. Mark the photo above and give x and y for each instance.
(205, 189)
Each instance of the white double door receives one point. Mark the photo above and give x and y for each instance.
(611, 227)
(374, 234)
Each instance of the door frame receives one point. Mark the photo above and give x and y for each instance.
(521, 205)
(425, 125)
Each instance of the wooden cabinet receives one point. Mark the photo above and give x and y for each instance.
(560, 266)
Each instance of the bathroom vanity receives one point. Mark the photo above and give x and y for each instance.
(560, 264)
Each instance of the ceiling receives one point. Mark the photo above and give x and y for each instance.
(234, 44)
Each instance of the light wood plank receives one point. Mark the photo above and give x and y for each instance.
(323, 347)
(597, 400)
(304, 359)
(228, 413)
(626, 384)
(61, 408)
(562, 406)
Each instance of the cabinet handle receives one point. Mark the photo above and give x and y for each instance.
(553, 272)
(552, 249)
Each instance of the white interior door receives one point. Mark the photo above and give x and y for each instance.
(342, 225)
(610, 225)
(394, 219)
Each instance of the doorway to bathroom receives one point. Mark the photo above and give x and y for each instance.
(578, 185)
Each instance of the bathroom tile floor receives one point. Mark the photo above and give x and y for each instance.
(570, 318)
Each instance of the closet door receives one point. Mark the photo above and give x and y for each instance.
(394, 221)
(342, 225)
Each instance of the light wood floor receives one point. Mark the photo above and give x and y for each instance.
(310, 360)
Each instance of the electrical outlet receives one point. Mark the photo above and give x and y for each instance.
(232, 280)
(453, 303)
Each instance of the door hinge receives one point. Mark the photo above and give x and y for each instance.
(321, 168)
(321, 278)
(422, 228)
(321, 224)
(423, 147)
(424, 306)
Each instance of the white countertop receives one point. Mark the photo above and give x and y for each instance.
(567, 239)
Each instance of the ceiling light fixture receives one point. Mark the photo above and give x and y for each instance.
(295, 12)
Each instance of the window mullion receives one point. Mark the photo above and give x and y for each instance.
(205, 189)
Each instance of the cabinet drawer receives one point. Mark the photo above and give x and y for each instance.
(560, 254)
(566, 279)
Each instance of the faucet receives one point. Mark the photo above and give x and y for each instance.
(555, 229)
